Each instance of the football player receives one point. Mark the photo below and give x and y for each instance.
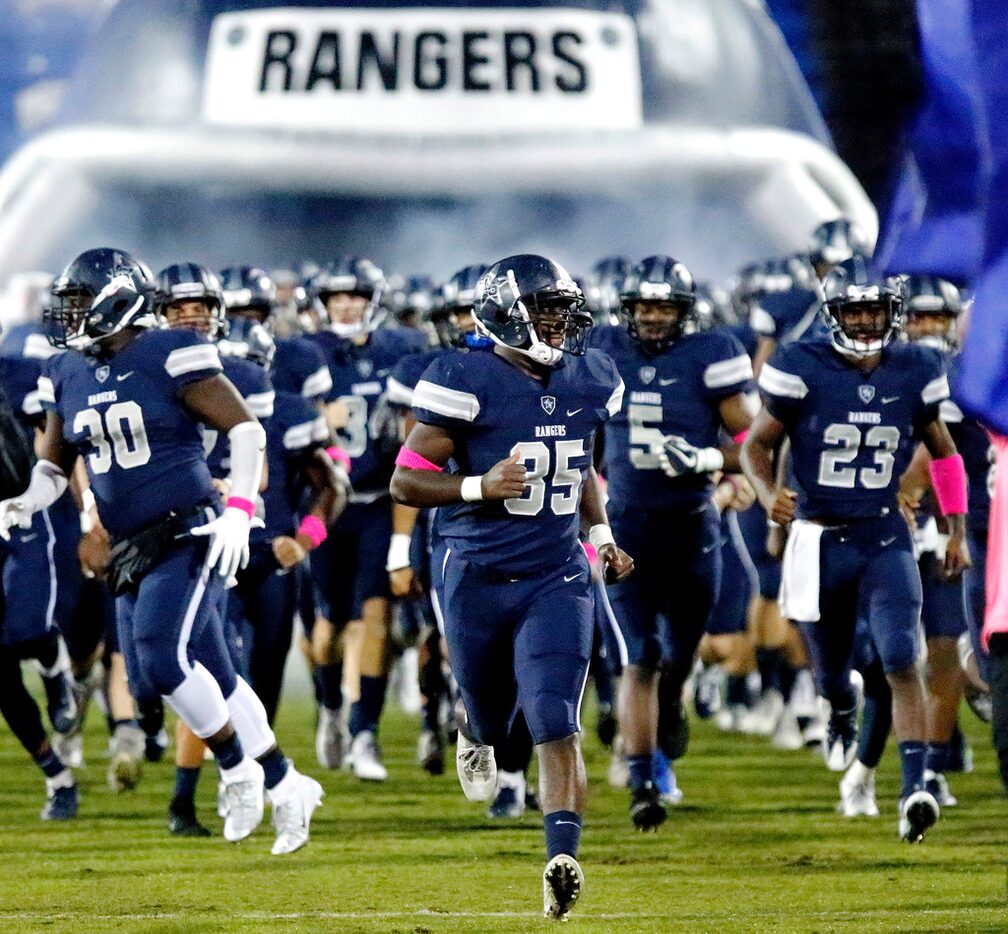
(129, 398)
(661, 449)
(348, 570)
(518, 426)
(853, 406)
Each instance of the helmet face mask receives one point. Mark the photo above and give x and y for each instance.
(200, 314)
(191, 297)
(347, 296)
(932, 306)
(656, 323)
(864, 312)
(658, 303)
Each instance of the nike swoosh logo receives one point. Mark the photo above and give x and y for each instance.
(123, 376)
(568, 580)
(569, 823)
(572, 412)
(668, 382)
(887, 541)
(29, 538)
(887, 399)
(708, 549)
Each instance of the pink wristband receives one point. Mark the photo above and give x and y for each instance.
(313, 528)
(408, 458)
(339, 456)
(246, 506)
(741, 436)
(948, 478)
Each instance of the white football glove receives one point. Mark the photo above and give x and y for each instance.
(229, 540)
(14, 512)
(679, 458)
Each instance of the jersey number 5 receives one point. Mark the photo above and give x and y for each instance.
(564, 502)
(121, 419)
(832, 465)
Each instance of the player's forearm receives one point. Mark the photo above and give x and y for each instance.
(593, 511)
(732, 461)
(425, 489)
(756, 460)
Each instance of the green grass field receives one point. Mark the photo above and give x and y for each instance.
(755, 847)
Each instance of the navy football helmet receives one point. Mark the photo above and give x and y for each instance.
(532, 305)
(604, 285)
(350, 275)
(835, 241)
(255, 344)
(713, 307)
(932, 306)
(458, 295)
(663, 290)
(99, 294)
(249, 299)
(853, 287)
(190, 282)
(411, 300)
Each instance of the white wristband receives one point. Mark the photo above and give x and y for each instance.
(709, 460)
(472, 489)
(398, 552)
(600, 535)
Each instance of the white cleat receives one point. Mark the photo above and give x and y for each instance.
(563, 881)
(330, 739)
(365, 758)
(243, 799)
(918, 812)
(477, 769)
(126, 748)
(857, 792)
(762, 720)
(788, 734)
(294, 801)
(407, 677)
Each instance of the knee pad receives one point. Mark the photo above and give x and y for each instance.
(554, 718)
(898, 651)
(199, 702)
(248, 716)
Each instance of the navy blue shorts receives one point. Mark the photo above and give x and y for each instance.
(677, 561)
(524, 642)
(753, 523)
(975, 594)
(739, 581)
(942, 611)
(42, 578)
(171, 622)
(348, 568)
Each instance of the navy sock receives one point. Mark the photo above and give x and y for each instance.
(563, 833)
(737, 691)
(185, 782)
(913, 757)
(229, 752)
(641, 770)
(126, 721)
(787, 676)
(366, 710)
(50, 764)
(768, 662)
(330, 684)
(274, 765)
(937, 757)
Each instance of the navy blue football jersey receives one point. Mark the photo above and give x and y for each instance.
(852, 434)
(789, 315)
(299, 367)
(295, 428)
(674, 393)
(407, 373)
(359, 374)
(143, 450)
(24, 350)
(254, 386)
(493, 409)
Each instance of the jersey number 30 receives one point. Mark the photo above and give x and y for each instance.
(563, 502)
(123, 426)
(833, 469)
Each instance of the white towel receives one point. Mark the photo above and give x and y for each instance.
(799, 592)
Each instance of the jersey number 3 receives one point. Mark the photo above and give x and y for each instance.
(563, 503)
(121, 435)
(833, 469)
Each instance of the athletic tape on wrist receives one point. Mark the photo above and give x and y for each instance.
(600, 535)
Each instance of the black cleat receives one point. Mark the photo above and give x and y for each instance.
(563, 881)
(918, 812)
(647, 810)
(673, 729)
(182, 821)
(61, 704)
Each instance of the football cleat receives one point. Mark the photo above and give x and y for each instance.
(839, 745)
(70, 748)
(61, 704)
(366, 758)
(242, 799)
(647, 809)
(665, 779)
(182, 820)
(510, 798)
(857, 792)
(62, 798)
(707, 682)
(935, 783)
(918, 812)
(788, 734)
(763, 718)
(294, 801)
(476, 768)
(127, 755)
(430, 752)
(563, 881)
(331, 740)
